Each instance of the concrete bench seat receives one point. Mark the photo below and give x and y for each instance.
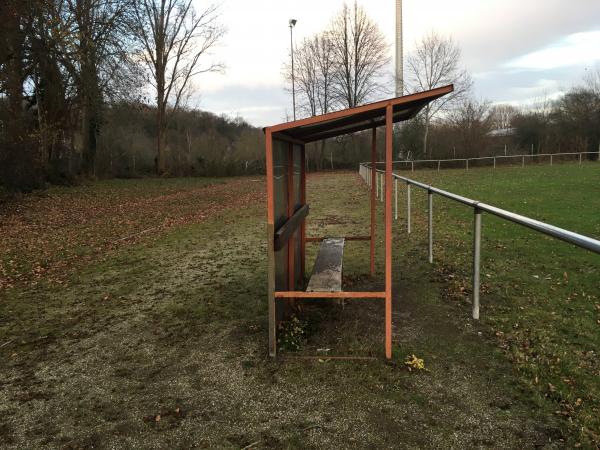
(327, 271)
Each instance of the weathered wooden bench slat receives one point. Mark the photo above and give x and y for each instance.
(327, 271)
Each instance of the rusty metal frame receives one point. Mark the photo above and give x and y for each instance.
(270, 243)
(388, 230)
(332, 124)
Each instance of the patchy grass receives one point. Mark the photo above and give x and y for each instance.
(162, 343)
(540, 297)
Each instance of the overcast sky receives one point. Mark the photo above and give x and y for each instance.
(518, 51)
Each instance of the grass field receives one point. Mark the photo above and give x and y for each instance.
(541, 296)
(159, 339)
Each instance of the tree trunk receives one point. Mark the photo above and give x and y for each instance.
(89, 131)
(425, 137)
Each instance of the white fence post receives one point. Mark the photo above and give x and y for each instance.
(430, 221)
(396, 198)
(408, 207)
(476, 261)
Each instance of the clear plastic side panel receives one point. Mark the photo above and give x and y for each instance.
(297, 205)
(280, 176)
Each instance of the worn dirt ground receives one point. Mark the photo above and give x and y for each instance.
(162, 344)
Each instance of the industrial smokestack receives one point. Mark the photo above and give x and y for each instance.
(399, 51)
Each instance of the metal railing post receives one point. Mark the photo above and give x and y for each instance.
(396, 198)
(467, 164)
(408, 207)
(476, 261)
(580, 159)
(551, 161)
(439, 162)
(522, 161)
(412, 166)
(430, 230)
(494, 162)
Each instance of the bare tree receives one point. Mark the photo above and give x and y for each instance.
(314, 78)
(472, 121)
(174, 38)
(435, 62)
(592, 81)
(502, 116)
(94, 51)
(361, 56)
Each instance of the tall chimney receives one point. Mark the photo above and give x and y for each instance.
(399, 51)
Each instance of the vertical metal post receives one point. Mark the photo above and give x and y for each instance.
(494, 162)
(292, 24)
(408, 207)
(476, 261)
(412, 166)
(388, 229)
(467, 163)
(396, 198)
(550, 160)
(270, 243)
(522, 161)
(580, 159)
(383, 187)
(430, 221)
(439, 162)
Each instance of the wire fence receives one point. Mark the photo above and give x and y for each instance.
(377, 177)
(494, 161)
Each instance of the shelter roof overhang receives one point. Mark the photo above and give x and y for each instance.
(360, 118)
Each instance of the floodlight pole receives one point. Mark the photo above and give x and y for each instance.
(292, 25)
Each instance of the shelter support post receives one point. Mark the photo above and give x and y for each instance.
(388, 230)
(270, 244)
(373, 199)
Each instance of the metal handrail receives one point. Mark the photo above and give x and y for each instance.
(477, 158)
(571, 237)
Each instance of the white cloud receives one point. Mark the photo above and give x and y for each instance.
(574, 50)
